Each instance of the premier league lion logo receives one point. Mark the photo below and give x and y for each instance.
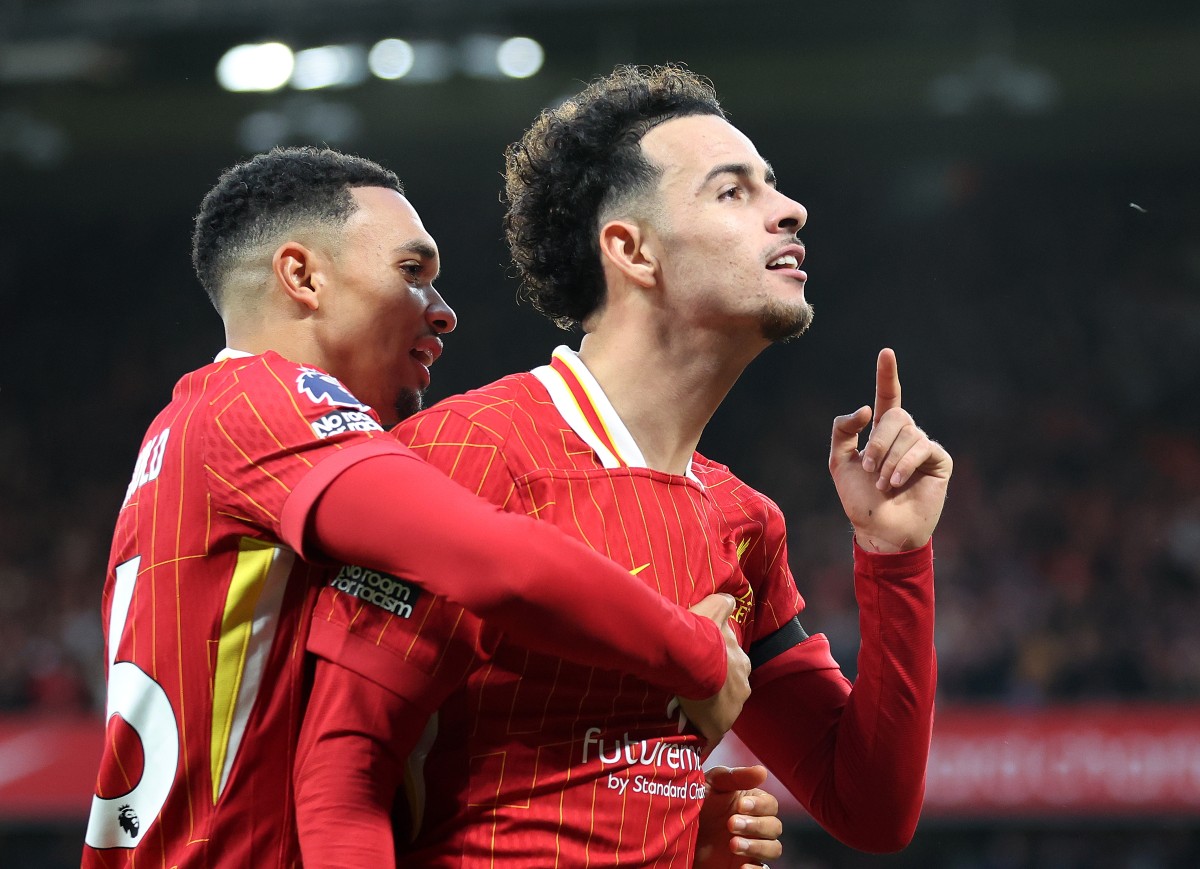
(324, 389)
(128, 820)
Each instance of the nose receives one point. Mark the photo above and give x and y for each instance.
(440, 316)
(788, 215)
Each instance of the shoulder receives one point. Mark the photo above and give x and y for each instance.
(732, 494)
(490, 412)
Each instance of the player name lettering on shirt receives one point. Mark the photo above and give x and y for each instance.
(149, 463)
(375, 587)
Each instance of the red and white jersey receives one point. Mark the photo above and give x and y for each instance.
(534, 761)
(206, 607)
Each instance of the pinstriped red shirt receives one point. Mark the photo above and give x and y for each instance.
(205, 607)
(533, 761)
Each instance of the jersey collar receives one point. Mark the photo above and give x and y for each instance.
(583, 405)
(230, 353)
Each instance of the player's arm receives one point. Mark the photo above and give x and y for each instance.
(548, 592)
(855, 757)
(349, 767)
(739, 821)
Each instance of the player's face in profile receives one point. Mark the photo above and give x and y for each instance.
(385, 313)
(727, 233)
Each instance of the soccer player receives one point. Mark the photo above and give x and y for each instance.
(639, 213)
(271, 463)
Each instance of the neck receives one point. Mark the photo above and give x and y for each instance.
(665, 388)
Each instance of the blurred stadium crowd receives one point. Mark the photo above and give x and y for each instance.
(1054, 331)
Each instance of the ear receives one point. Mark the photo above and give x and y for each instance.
(625, 246)
(294, 267)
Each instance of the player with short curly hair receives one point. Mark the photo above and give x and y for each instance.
(579, 163)
(637, 211)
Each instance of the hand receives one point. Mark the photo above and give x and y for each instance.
(739, 823)
(892, 491)
(713, 717)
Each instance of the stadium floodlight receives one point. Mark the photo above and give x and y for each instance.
(264, 66)
(426, 61)
(329, 66)
(520, 57)
(391, 59)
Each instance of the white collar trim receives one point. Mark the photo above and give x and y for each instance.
(230, 353)
(625, 451)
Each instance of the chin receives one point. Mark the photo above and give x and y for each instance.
(785, 322)
(408, 402)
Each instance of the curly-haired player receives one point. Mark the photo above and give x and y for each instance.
(639, 213)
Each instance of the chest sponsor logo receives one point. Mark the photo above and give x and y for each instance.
(342, 421)
(322, 388)
(380, 589)
(677, 769)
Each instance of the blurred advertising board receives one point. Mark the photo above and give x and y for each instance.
(986, 762)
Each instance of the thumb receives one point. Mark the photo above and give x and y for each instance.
(722, 779)
(843, 443)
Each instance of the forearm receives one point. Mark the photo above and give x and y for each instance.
(856, 758)
(349, 766)
(546, 591)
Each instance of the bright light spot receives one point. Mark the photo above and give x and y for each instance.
(329, 66)
(520, 57)
(263, 67)
(391, 58)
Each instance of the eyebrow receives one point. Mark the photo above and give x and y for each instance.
(742, 170)
(422, 249)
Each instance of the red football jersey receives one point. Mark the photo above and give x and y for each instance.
(205, 609)
(534, 761)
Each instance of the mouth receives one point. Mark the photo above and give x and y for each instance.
(425, 353)
(788, 260)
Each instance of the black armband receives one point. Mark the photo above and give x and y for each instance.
(777, 643)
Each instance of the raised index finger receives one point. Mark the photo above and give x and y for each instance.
(887, 383)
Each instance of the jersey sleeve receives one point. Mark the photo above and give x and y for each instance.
(353, 745)
(276, 436)
(423, 654)
(772, 619)
(546, 591)
(855, 756)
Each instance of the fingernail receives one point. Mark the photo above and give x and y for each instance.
(896, 479)
(881, 484)
(740, 846)
(739, 824)
(868, 464)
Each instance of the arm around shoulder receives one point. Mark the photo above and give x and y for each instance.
(549, 592)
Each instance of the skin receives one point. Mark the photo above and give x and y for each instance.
(359, 302)
(739, 823)
(690, 302)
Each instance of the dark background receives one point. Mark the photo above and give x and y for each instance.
(1007, 193)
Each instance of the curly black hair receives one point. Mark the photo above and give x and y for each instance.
(576, 163)
(270, 195)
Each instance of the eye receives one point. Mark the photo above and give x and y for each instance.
(732, 192)
(414, 270)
